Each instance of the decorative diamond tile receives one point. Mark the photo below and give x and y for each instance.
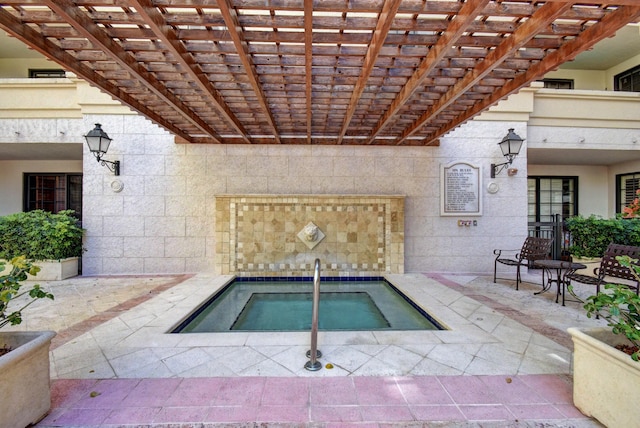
(311, 235)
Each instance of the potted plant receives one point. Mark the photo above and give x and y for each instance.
(53, 240)
(606, 370)
(606, 361)
(24, 356)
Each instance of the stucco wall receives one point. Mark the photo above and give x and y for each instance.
(19, 67)
(619, 68)
(11, 177)
(582, 79)
(593, 185)
(599, 80)
(163, 220)
(622, 168)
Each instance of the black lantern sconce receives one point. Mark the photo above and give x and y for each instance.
(510, 146)
(98, 142)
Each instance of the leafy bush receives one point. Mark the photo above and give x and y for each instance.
(619, 305)
(40, 235)
(10, 289)
(591, 235)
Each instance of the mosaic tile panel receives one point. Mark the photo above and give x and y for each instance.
(258, 235)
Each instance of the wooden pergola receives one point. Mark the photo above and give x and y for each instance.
(377, 72)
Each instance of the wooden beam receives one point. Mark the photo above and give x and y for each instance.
(543, 17)
(235, 31)
(85, 26)
(605, 28)
(155, 21)
(258, 71)
(36, 41)
(459, 24)
(385, 19)
(308, 64)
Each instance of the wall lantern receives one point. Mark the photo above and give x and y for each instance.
(98, 142)
(510, 146)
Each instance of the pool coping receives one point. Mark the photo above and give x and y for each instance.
(228, 306)
(480, 341)
(196, 290)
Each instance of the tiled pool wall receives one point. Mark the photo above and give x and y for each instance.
(375, 305)
(257, 235)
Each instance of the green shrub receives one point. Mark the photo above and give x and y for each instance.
(591, 235)
(10, 289)
(40, 235)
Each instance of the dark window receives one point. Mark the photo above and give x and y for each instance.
(626, 187)
(46, 73)
(628, 80)
(53, 192)
(548, 196)
(558, 83)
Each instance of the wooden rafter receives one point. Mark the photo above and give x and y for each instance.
(458, 26)
(154, 20)
(595, 33)
(525, 32)
(235, 31)
(46, 47)
(379, 34)
(97, 36)
(308, 71)
(308, 64)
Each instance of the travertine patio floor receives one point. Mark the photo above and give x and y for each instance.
(506, 359)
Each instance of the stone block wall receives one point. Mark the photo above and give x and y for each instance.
(159, 215)
(164, 218)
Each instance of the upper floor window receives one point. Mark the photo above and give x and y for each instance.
(558, 83)
(53, 192)
(628, 80)
(48, 73)
(626, 187)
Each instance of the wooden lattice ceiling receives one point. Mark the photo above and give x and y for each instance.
(382, 72)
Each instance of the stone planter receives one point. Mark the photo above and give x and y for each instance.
(52, 270)
(24, 378)
(606, 382)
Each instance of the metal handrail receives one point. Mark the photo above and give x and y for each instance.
(313, 354)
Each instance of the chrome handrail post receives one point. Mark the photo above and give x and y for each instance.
(313, 354)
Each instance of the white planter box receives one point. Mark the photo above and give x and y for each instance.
(52, 270)
(24, 378)
(606, 382)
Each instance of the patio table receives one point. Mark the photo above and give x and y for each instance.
(556, 271)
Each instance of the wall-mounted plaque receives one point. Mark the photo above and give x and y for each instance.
(460, 184)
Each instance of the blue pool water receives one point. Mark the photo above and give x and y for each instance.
(286, 305)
